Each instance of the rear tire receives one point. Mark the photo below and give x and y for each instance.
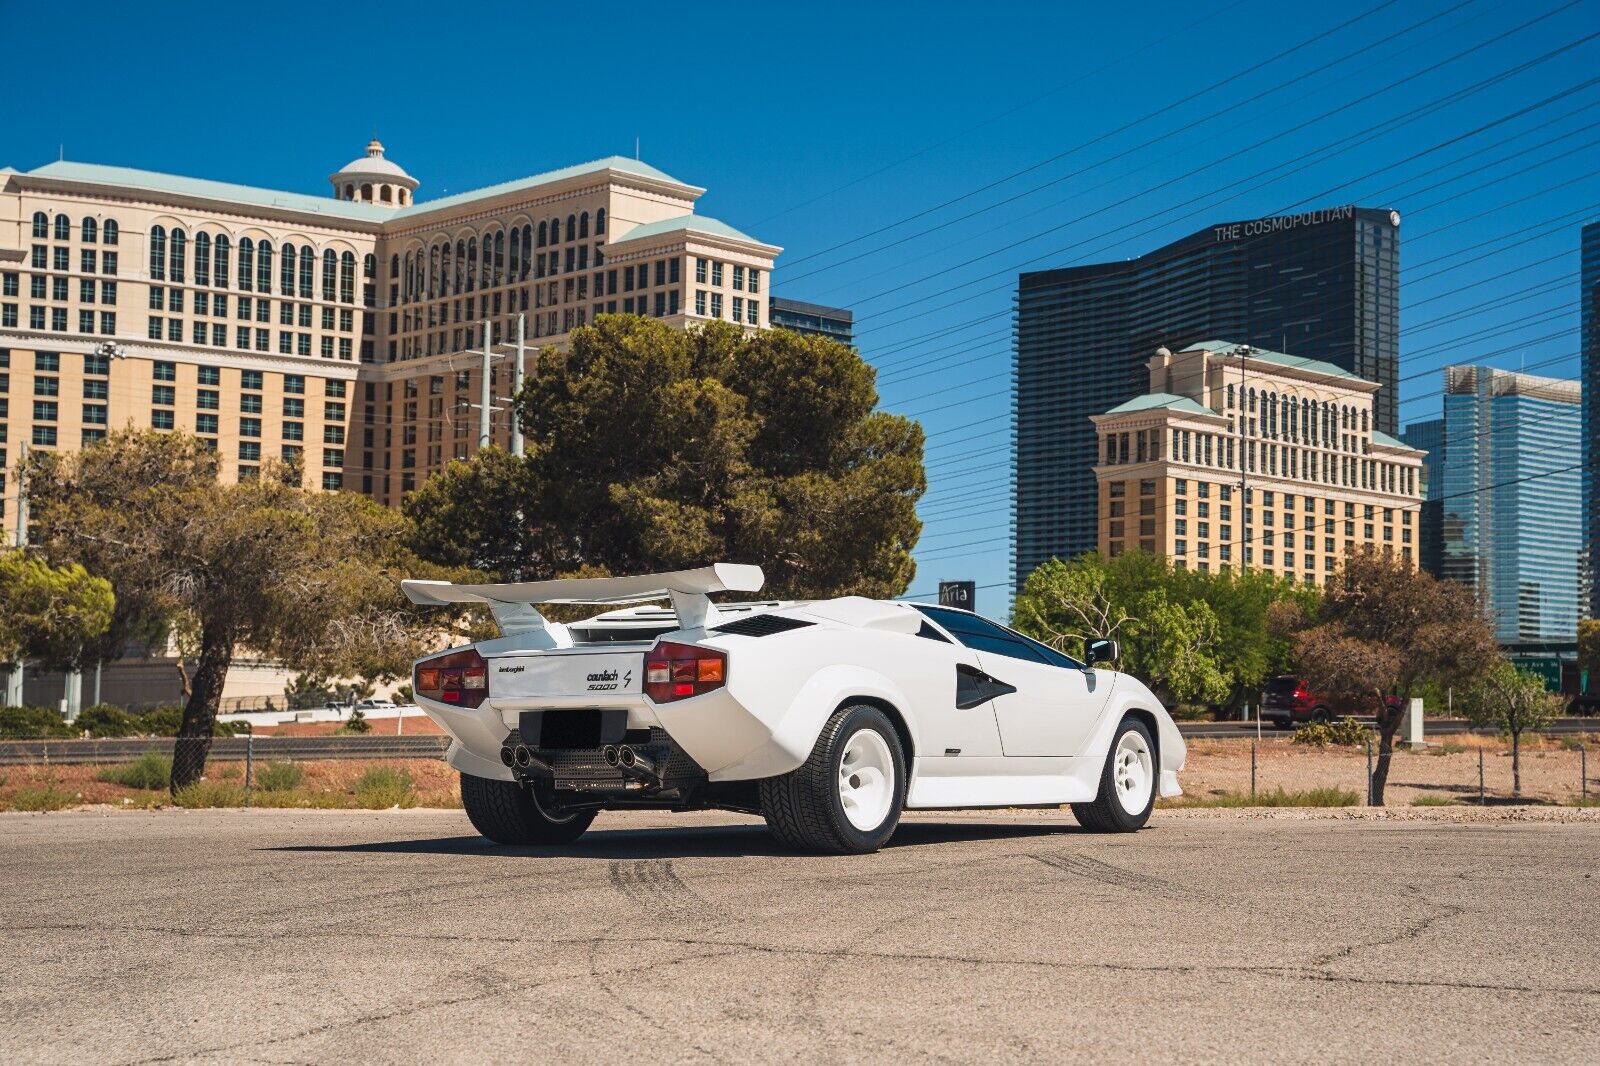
(847, 797)
(1127, 783)
(1322, 714)
(509, 813)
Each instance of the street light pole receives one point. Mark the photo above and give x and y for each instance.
(516, 384)
(483, 394)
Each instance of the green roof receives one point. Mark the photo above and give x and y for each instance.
(1152, 401)
(128, 177)
(1292, 362)
(614, 162)
(695, 223)
(1380, 437)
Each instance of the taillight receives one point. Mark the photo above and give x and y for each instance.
(678, 671)
(460, 677)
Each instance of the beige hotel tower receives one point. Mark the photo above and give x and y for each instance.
(343, 331)
(1245, 455)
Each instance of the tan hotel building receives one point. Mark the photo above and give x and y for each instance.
(343, 331)
(1244, 454)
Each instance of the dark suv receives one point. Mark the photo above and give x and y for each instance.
(1288, 701)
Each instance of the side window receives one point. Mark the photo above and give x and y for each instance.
(931, 633)
(982, 635)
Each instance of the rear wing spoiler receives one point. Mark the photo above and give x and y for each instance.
(512, 603)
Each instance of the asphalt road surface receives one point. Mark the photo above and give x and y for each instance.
(310, 936)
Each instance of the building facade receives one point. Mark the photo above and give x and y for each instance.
(818, 320)
(1323, 285)
(1233, 456)
(1428, 437)
(342, 332)
(1589, 328)
(1511, 500)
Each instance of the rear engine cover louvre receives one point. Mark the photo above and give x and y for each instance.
(761, 625)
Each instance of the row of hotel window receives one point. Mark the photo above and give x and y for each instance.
(41, 258)
(447, 268)
(1284, 417)
(211, 255)
(1263, 457)
(92, 229)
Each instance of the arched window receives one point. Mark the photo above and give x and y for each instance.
(386, 194)
(286, 272)
(247, 262)
(572, 227)
(544, 232)
(583, 225)
(366, 191)
(202, 259)
(394, 265)
(330, 273)
(555, 231)
(369, 266)
(600, 223)
(347, 277)
(41, 225)
(349, 192)
(433, 272)
(500, 257)
(403, 196)
(458, 284)
(472, 263)
(158, 252)
(90, 230)
(108, 232)
(219, 272)
(1363, 421)
(180, 242)
(308, 268)
(516, 255)
(264, 266)
(63, 228)
(527, 250)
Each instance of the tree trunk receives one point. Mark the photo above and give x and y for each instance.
(1516, 764)
(1388, 726)
(200, 710)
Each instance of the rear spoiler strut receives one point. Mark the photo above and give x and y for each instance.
(512, 603)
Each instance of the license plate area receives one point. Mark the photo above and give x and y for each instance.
(544, 675)
(556, 730)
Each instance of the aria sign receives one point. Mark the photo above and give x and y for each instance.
(1284, 222)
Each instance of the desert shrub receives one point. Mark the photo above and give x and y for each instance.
(1344, 732)
(385, 786)
(106, 720)
(152, 770)
(279, 776)
(47, 797)
(1311, 797)
(301, 799)
(164, 721)
(204, 793)
(31, 723)
(357, 724)
(1434, 801)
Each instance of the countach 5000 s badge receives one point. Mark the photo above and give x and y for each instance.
(608, 681)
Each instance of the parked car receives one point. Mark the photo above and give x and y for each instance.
(1288, 701)
(827, 717)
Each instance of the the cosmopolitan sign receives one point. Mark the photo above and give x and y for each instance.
(1283, 222)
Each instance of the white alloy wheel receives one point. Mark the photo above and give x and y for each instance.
(1133, 772)
(866, 780)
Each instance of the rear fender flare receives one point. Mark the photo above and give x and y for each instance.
(796, 731)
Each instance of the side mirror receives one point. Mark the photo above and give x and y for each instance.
(1101, 651)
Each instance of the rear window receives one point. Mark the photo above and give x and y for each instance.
(1283, 686)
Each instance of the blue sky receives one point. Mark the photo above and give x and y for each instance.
(816, 125)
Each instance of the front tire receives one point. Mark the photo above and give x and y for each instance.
(509, 813)
(847, 797)
(1127, 783)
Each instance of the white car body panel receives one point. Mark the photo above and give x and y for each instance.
(1044, 743)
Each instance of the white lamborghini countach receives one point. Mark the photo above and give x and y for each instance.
(826, 717)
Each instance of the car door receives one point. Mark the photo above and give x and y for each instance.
(1045, 703)
(945, 683)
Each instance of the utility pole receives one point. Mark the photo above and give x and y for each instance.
(483, 394)
(516, 384)
(1243, 352)
(12, 696)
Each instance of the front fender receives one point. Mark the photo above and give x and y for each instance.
(1128, 694)
(795, 733)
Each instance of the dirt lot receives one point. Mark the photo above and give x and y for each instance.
(1218, 772)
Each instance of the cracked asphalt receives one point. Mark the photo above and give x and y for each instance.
(400, 936)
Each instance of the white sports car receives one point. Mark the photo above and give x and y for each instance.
(827, 717)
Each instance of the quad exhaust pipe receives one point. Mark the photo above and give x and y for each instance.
(522, 757)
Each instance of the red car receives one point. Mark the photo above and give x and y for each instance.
(1288, 701)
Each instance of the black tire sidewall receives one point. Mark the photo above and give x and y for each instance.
(1109, 803)
(855, 719)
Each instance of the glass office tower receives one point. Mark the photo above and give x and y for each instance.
(1323, 285)
(1428, 436)
(1589, 321)
(1511, 499)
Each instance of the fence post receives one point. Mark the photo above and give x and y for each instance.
(1481, 800)
(249, 763)
(1369, 769)
(1252, 768)
(1583, 772)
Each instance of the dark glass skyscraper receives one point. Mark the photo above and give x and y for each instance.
(818, 320)
(1589, 321)
(1429, 437)
(1324, 285)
